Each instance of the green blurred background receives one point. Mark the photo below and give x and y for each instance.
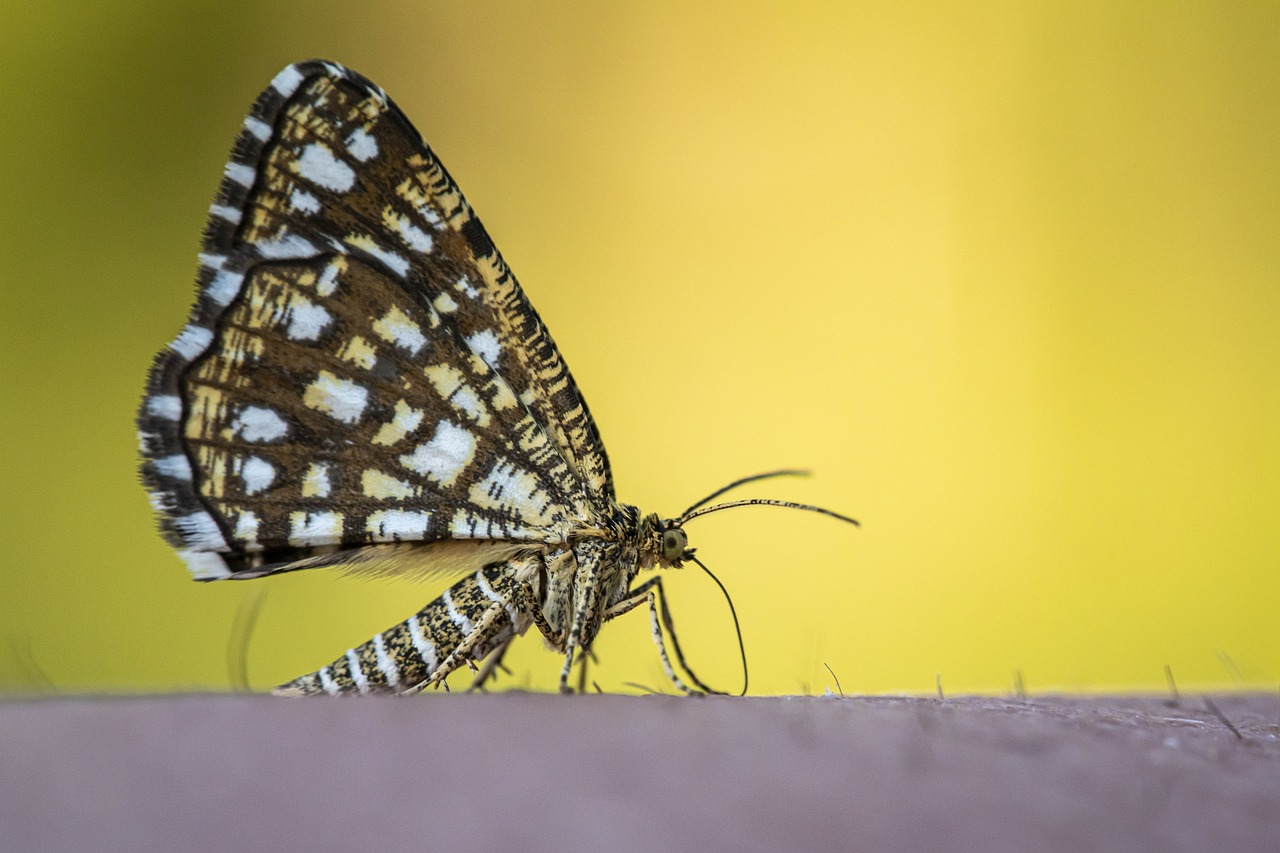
(1006, 275)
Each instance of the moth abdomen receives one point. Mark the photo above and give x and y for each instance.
(466, 623)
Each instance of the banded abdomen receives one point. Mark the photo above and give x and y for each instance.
(473, 617)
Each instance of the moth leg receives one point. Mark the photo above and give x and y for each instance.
(486, 630)
(557, 640)
(526, 604)
(492, 664)
(584, 660)
(651, 591)
(589, 588)
(675, 642)
(647, 592)
(570, 647)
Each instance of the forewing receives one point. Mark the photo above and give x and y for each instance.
(361, 370)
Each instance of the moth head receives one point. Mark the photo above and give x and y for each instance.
(663, 543)
(674, 544)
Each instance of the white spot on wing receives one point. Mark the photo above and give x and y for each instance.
(397, 328)
(314, 528)
(429, 214)
(328, 281)
(444, 304)
(318, 164)
(306, 319)
(200, 531)
(257, 474)
(176, 467)
(362, 145)
(511, 489)
(191, 341)
(240, 173)
(145, 440)
(205, 566)
(465, 400)
(225, 286)
(259, 128)
(258, 423)
(393, 261)
(165, 406)
(411, 235)
(339, 398)
(397, 525)
(485, 343)
(315, 483)
(222, 211)
(286, 246)
(303, 201)
(247, 527)
(287, 81)
(444, 456)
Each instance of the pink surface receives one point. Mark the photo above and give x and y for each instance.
(535, 772)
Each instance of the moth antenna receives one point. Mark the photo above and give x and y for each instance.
(691, 514)
(742, 649)
(784, 472)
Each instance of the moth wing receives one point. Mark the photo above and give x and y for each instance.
(362, 381)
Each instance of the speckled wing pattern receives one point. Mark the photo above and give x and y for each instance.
(362, 379)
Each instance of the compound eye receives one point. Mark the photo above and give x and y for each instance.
(673, 544)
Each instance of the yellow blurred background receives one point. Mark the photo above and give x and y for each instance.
(1005, 275)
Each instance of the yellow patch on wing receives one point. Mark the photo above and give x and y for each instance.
(359, 352)
(382, 486)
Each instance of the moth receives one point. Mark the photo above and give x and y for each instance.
(363, 385)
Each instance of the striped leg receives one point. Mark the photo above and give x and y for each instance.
(587, 605)
(588, 599)
(527, 603)
(472, 618)
(495, 628)
(492, 664)
(651, 591)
